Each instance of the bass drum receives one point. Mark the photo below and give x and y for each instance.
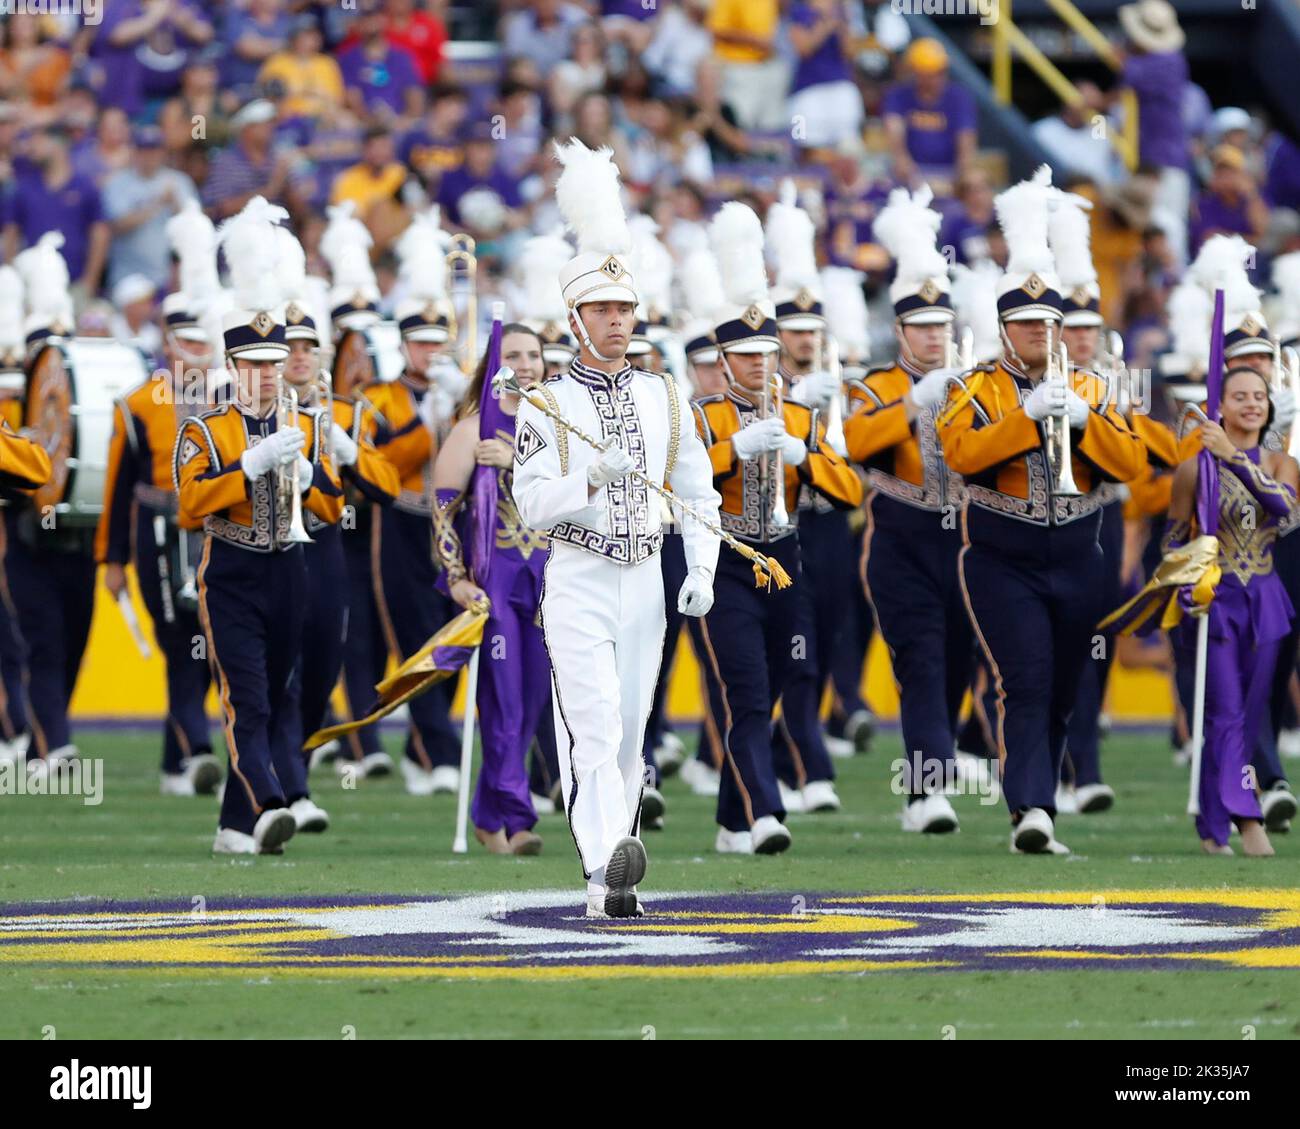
(365, 356)
(71, 390)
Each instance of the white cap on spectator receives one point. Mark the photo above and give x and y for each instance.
(1230, 118)
(1152, 25)
(131, 289)
(257, 112)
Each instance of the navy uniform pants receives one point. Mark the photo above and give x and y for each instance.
(750, 635)
(1083, 742)
(13, 658)
(252, 607)
(185, 728)
(364, 651)
(910, 576)
(51, 580)
(1034, 601)
(849, 651)
(412, 610)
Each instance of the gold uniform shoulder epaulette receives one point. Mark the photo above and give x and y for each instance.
(873, 369)
(212, 413)
(716, 398)
(987, 366)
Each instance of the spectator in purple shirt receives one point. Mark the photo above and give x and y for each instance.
(382, 79)
(852, 202)
(929, 121)
(481, 188)
(51, 197)
(128, 32)
(437, 143)
(1282, 164)
(824, 100)
(249, 167)
(1156, 71)
(1231, 203)
(252, 37)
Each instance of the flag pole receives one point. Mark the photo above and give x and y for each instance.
(460, 844)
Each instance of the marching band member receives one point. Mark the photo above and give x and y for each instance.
(413, 408)
(139, 522)
(1250, 612)
(762, 450)
(49, 564)
(603, 601)
(246, 469)
(1020, 438)
(909, 557)
(799, 752)
(514, 691)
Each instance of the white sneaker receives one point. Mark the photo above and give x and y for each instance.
(841, 748)
(932, 815)
(1092, 798)
(374, 764)
(652, 806)
(733, 842)
(791, 798)
(419, 781)
(1034, 835)
(972, 772)
(1288, 743)
(63, 753)
(625, 868)
(272, 829)
(11, 752)
(596, 906)
(446, 780)
(1066, 803)
(770, 836)
(204, 772)
(670, 754)
(702, 778)
(1183, 756)
(325, 753)
(1279, 807)
(542, 804)
(819, 795)
(175, 784)
(859, 727)
(308, 816)
(232, 842)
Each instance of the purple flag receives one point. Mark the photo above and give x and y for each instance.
(1207, 470)
(483, 487)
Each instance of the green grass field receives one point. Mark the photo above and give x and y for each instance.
(137, 846)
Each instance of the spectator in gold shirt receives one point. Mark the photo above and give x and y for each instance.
(312, 80)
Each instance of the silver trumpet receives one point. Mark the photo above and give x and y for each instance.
(325, 398)
(835, 411)
(773, 463)
(1057, 428)
(1120, 378)
(286, 415)
(961, 357)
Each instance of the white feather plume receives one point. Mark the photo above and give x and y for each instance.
(1221, 265)
(421, 253)
(45, 279)
(540, 296)
(316, 291)
(193, 239)
(11, 308)
(845, 307)
(1070, 235)
(652, 266)
(791, 239)
(1286, 305)
(1190, 310)
(590, 199)
(251, 247)
(737, 239)
(345, 245)
(702, 286)
(906, 227)
(290, 266)
(1023, 216)
(975, 299)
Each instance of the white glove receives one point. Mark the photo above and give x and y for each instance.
(793, 450)
(757, 437)
(613, 464)
(932, 387)
(1077, 408)
(427, 410)
(1283, 409)
(447, 375)
(1048, 399)
(305, 473)
(342, 446)
(814, 390)
(277, 448)
(696, 595)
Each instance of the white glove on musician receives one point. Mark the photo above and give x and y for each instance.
(696, 595)
(1048, 399)
(1077, 408)
(1283, 410)
(757, 437)
(342, 446)
(933, 387)
(814, 390)
(614, 463)
(305, 473)
(276, 449)
(793, 449)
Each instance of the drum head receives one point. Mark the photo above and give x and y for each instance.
(50, 396)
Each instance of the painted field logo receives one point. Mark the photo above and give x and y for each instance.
(542, 936)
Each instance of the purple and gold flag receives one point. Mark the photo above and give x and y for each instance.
(483, 486)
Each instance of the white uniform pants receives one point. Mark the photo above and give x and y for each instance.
(604, 628)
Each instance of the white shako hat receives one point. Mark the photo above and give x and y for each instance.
(1069, 231)
(747, 322)
(790, 240)
(907, 228)
(1286, 280)
(1221, 265)
(291, 275)
(704, 300)
(11, 320)
(1190, 311)
(588, 196)
(540, 296)
(345, 245)
(193, 241)
(1029, 289)
(653, 267)
(254, 329)
(46, 285)
(424, 313)
(975, 299)
(845, 307)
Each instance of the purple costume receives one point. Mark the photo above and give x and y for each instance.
(514, 687)
(1249, 617)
